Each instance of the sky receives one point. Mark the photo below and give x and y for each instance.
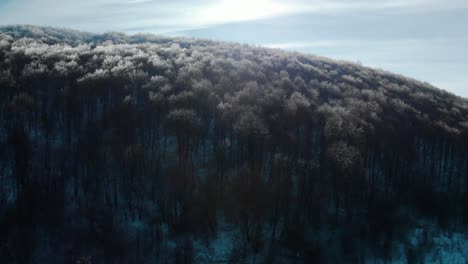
(423, 39)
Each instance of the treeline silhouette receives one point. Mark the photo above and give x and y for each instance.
(122, 148)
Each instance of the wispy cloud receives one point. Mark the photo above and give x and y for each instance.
(138, 1)
(120, 14)
(305, 45)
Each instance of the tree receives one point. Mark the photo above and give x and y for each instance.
(346, 161)
(22, 157)
(252, 130)
(185, 123)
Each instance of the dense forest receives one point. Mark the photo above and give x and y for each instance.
(122, 148)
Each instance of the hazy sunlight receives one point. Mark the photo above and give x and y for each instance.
(242, 10)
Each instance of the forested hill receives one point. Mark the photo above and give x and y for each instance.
(227, 71)
(139, 144)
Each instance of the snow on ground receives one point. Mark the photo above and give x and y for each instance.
(217, 250)
(448, 248)
(429, 244)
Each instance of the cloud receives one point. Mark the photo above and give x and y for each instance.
(102, 15)
(300, 45)
(138, 1)
(242, 10)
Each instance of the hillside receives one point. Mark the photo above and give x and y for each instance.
(143, 149)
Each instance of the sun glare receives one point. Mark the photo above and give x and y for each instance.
(242, 10)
